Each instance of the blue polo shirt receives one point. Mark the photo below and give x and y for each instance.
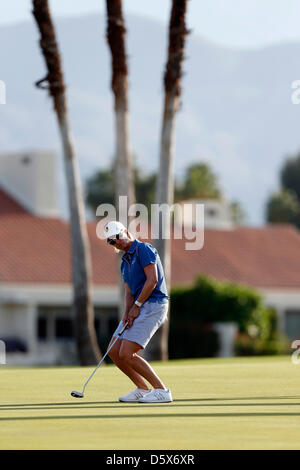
(139, 255)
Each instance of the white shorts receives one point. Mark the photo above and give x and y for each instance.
(152, 316)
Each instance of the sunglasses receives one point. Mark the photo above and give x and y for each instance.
(112, 241)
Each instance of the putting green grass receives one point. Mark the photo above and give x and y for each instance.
(240, 403)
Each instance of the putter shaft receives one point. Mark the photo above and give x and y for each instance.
(99, 364)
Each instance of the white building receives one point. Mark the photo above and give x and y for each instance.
(217, 213)
(35, 269)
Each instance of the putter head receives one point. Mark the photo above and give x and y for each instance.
(77, 394)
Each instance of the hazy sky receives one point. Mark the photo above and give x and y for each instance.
(237, 23)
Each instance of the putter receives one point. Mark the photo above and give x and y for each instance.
(81, 394)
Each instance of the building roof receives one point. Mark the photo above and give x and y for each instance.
(37, 250)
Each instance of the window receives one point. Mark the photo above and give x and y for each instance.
(112, 325)
(212, 212)
(56, 322)
(63, 328)
(42, 328)
(292, 323)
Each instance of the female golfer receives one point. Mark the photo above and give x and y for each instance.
(146, 309)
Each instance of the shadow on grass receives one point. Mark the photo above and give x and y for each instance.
(80, 402)
(176, 403)
(152, 416)
(116, 405)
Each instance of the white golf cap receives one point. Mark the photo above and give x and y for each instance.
(113, 228)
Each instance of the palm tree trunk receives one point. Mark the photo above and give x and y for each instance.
(87, 346)
(158, 348)
(123, 162)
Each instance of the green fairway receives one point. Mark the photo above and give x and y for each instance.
(240, 403)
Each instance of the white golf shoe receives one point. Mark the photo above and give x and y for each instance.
(158, 395)
(135, 395)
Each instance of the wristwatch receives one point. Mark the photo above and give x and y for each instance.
(139, 304)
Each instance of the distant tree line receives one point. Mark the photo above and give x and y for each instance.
(199, 182)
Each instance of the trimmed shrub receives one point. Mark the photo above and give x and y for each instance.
(194, 309)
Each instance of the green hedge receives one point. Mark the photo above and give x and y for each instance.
(195, 308)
